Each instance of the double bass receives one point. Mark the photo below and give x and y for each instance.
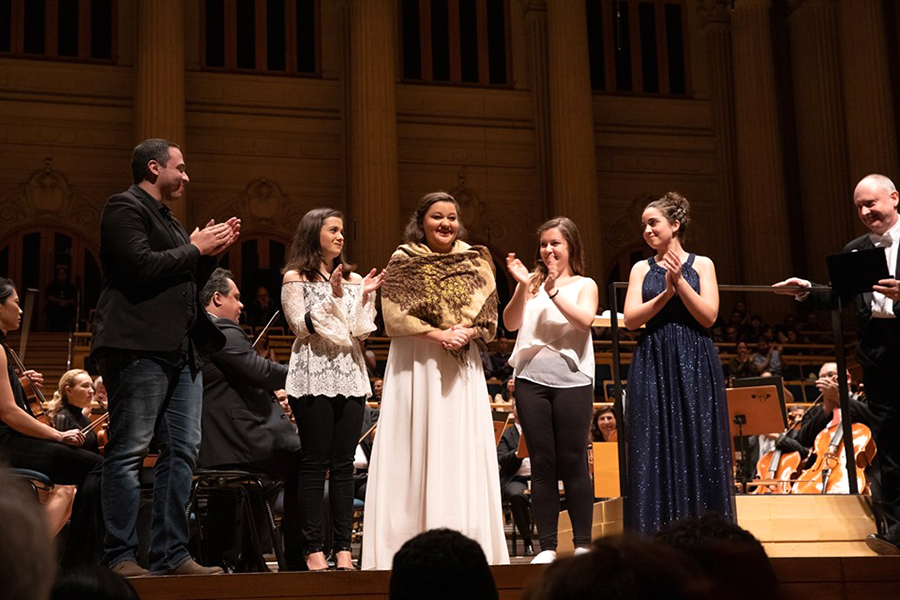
(829, 473)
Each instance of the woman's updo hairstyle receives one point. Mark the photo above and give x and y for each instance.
(676, 209)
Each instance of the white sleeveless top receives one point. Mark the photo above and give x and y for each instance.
(549, 350)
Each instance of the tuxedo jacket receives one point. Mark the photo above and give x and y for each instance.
(152, 276)
(506, 454)
(242, 421)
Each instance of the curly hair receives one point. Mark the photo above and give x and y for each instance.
(676, 209)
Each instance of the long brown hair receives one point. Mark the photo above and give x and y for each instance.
(576, 251)
(305, 255)
(415, 230)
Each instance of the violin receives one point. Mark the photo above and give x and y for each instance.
(33, 394)
(99, 425)
(829, 473)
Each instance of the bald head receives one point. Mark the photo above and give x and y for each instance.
(876, 200)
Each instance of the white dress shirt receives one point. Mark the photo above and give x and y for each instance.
(882, 306)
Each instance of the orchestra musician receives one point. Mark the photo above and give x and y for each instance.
(243, 425)
(26, 443)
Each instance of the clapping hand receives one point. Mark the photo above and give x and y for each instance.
(335, 281)
(552, 273)
(518, 270)
(372, 282)
(215, 238)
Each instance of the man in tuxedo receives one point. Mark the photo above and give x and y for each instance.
(515, 473)
(243, 425)
(878, 352)
(148, 330)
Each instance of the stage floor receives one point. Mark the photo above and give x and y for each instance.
(832, 578)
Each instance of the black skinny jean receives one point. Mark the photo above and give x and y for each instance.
(555, 422)
(329, 429)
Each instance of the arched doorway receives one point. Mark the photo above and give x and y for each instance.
(256, 261)
(30, 257)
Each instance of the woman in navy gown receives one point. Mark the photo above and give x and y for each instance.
(676, 418)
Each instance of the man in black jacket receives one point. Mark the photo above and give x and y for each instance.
(243, 424)
(878, 322)
(148, 329)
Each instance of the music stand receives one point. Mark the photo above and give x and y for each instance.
(754, 411)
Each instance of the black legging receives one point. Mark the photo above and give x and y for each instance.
(329, 429)
(555, 423)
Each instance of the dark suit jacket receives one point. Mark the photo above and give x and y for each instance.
(151, 280)
(242, 422)
(506, 454)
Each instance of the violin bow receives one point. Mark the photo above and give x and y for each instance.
(266, 328)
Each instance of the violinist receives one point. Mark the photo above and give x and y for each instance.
(243, 425)
(70, 402)
(27, 443)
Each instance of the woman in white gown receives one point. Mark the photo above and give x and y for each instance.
(434, 461)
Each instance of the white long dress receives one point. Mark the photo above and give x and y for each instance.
(434, 462)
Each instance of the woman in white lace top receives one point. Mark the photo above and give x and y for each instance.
(329, 309)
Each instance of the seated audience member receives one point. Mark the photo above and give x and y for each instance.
(499, 359)
(622, 568)
(263, 349)
(364, 453)
(603, 425)
(261, 309)
(70, 400)
(377, 388)
(732, 334)
(62, 296)
(507, 393)
(727, 555)
(243, 425)
(92, 582)
(441, 564)
(515, 474)
(767, 357)
(370, 359)
(742, 365)
(26, 552)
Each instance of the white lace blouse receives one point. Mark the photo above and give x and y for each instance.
(328, 360)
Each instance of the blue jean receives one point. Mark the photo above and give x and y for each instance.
(147, 396)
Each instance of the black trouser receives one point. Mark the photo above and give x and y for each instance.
(555, 423)
(65, 465)
(519, 502)
(228, 539)
(329, 429)
(879, 356)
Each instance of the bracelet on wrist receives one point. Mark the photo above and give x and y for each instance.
(555, 294)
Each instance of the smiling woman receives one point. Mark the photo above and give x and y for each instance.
(329, 309)
(435, 448)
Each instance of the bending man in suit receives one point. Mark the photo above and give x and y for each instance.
(148, 330)
(243, 424)
(878, 352)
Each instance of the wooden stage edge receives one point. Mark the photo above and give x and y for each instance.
(834, 578)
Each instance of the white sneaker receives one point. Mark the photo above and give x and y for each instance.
(544, 558)
(580, 551)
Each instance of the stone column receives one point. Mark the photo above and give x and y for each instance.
(871, 129)
(825, 191)
(159, 97)
(763, 232)
(374, 190)
(573, 161)
(717, 38)
(536, 34)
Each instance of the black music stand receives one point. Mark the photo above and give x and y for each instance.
(754, 411)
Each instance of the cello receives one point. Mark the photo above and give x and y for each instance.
(778, 466)
(829, 473)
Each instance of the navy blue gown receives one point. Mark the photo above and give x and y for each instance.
(676, 418)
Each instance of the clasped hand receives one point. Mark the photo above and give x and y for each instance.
(456, 337)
